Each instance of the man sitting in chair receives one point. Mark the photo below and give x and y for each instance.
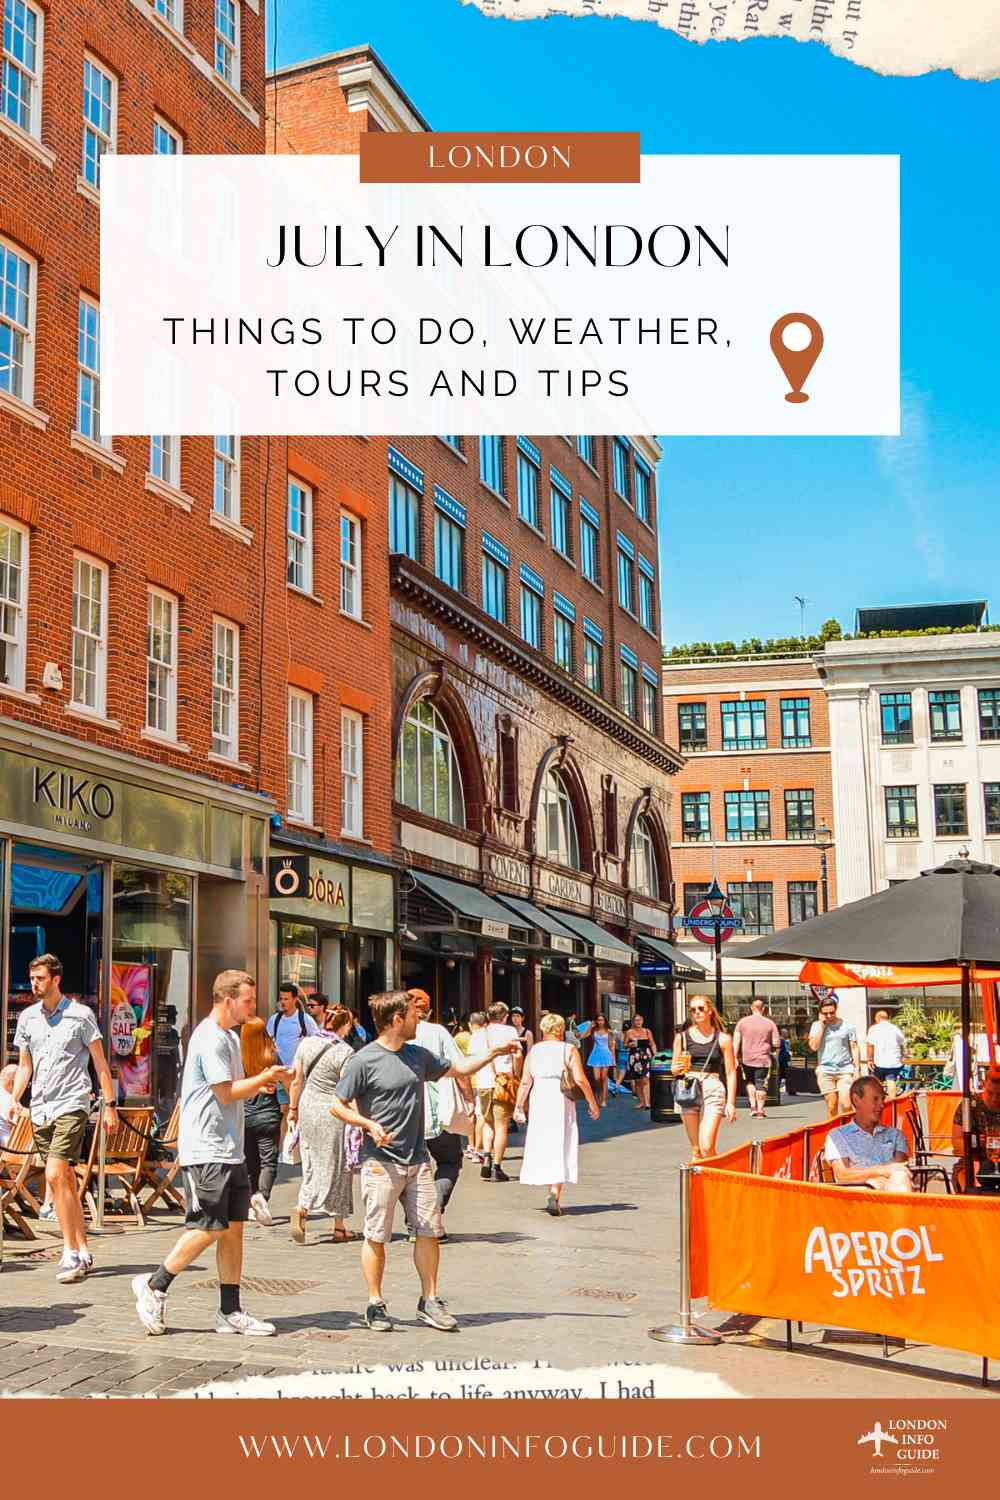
(985, 1125)
(866, 1153)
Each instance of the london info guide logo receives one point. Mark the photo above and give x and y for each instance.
(904, 1445)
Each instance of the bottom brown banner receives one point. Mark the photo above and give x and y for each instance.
(172, 1450)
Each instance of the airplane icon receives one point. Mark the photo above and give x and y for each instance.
(878, 1436)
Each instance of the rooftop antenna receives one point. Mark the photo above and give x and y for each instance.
(801, 601)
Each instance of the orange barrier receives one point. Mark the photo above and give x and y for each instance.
(739, 1159)
(784, 1156)
(940, 1107)
(899, 1264)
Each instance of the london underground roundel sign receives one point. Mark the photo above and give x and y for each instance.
(706, 934)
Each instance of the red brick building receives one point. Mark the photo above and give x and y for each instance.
(531, 799)
(133, 807)
(756, 784)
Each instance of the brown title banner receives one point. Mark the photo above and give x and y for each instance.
(500, 156)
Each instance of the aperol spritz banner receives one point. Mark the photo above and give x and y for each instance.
(911, 1265)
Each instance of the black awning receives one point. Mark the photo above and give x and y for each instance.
(561, 939)
(681, 966)
(469, 902)
(606, 946)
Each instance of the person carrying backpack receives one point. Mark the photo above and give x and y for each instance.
(287, 1027)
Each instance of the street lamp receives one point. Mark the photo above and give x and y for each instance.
(716, 901)
(823, 839)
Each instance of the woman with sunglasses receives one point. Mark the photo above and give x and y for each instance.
(704, 1050)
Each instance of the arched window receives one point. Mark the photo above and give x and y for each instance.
(556, 836)
(427, 773)
(644, 876)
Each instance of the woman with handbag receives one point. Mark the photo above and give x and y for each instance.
(327, 1186)
(702, 1059)
(640, 1044)
(261, 1119)
(554, 1081)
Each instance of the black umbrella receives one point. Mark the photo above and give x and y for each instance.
(949, 916)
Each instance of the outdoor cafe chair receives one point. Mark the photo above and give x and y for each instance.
(124, 1159)
(16, 1166)
(159, 1172)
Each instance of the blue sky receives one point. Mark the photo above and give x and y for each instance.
(844, 522)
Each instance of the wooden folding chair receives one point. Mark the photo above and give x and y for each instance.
(124, 1159)
(16, 1166)
(159, 1173)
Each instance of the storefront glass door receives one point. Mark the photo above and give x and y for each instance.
(151, 1016)
(56, 906)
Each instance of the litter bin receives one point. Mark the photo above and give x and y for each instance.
(661, 1088)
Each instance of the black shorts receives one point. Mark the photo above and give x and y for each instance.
(217, 1194)
(756, 1077)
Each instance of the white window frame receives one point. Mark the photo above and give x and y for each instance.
(24, 331)
(159, 123)
(89, 372)
(15, 639)
(644, 874)
(226, 688)
(557, 837)
(226, 478)
(300, 755)
(34, 125)
(165, 459)
(352, 772)
(350, 565)
(172, 12)
(163, 667)
(300, 544)
(230, 73)
(104, 138)
(84, 637)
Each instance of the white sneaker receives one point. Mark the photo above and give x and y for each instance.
(260, 1210)
(72, 1267)
(150, 1305)
(242, 1322)
(47, 1213)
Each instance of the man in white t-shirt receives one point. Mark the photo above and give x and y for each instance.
(446, 1146)
(503, 1091)
(886, 1050)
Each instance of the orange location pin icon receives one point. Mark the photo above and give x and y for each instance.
(796, 363)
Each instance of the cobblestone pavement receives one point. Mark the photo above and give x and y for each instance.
(581, 1290)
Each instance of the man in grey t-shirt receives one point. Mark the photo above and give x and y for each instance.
(382, 1090)
(210, 1151)
(838, 1057)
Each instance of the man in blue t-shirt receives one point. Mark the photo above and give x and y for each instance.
(287, 1028)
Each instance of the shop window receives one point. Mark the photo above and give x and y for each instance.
(56, 906)
(298, 956)
(427, 774)
(556, 835)
(151, 972)
(644, 875)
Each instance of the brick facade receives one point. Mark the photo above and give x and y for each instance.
(775, 768)
(482, 677)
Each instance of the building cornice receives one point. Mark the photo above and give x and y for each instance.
(412, 582)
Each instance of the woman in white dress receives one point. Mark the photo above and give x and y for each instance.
(551, 1147)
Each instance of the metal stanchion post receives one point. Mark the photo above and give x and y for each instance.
(755, 1155)
(684, 1330)
(102, 1153)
